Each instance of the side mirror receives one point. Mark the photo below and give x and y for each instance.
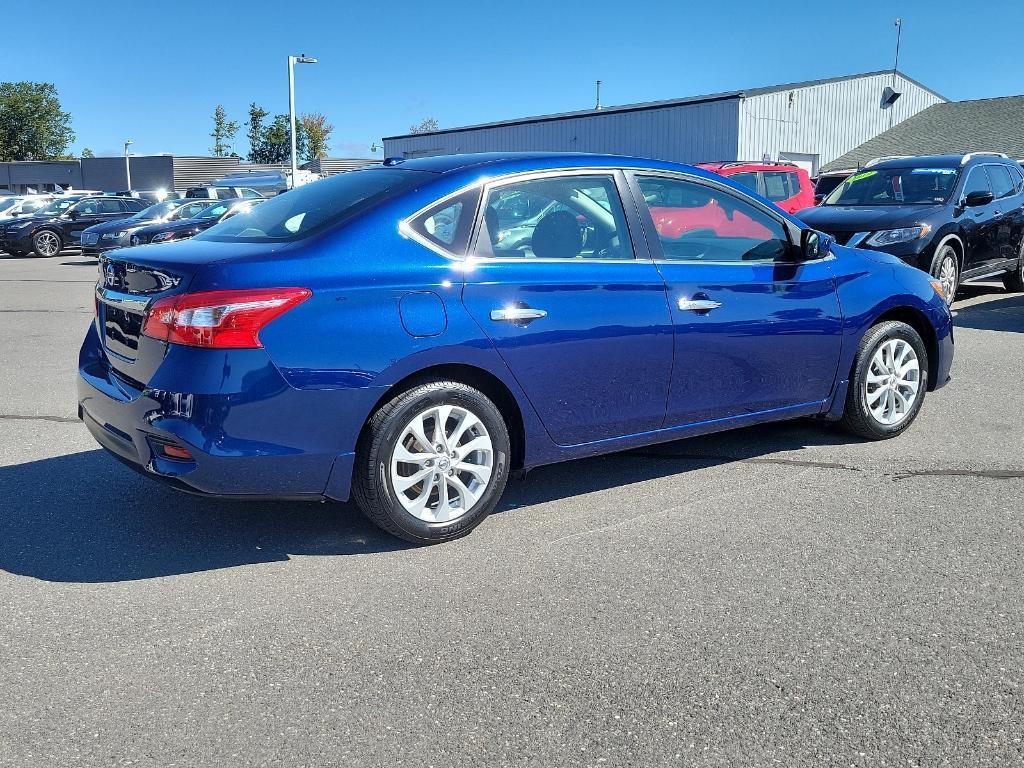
(977, 199)
(813, 245)
(72, 214)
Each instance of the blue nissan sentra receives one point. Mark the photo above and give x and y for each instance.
(408, 335)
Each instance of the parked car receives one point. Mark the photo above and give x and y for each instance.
(829, 180)
(60, 224)
(182, 228)
(223, 193)
(148, 195)
(957, 217)
(117, 234)
(369, 336)
(21, 205)
(785, 184)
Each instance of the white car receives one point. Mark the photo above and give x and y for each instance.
(22, 205)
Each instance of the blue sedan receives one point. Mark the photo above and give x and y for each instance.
(408, 335)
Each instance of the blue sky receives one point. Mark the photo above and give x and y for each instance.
(119, 69)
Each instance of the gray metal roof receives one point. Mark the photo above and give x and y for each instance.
(724, 95)
(954, 128)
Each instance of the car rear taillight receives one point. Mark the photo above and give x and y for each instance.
(219, 319)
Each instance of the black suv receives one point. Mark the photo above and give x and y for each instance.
(60, 224)
(958, 217)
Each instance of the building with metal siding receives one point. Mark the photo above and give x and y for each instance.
(810, 122)
(169, 172)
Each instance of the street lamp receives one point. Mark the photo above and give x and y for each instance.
(127, 164)
(292, 61)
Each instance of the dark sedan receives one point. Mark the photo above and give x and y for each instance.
(183, 229)
(117, 234)
(61, 223)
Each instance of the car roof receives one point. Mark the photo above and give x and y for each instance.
(748, 165)
(509, 162)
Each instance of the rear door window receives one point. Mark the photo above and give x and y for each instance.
(110, 206)
(574, 217)
(777, 185)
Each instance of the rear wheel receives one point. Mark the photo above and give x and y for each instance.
(946, 269)
(1014, 281)
(47, 243)
(432, 463)
(888, 382)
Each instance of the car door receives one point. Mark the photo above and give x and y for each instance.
(755, 331)
(573, 304)
(82, 216)
(1007, 212)
(979, 223)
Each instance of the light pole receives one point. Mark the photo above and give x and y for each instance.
(127, 164)
(292, 61)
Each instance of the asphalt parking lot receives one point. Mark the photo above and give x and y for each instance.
(780, 595)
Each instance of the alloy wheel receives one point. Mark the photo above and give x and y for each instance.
(47, 244)
(947, 276)
(893, 382)
(442, 463)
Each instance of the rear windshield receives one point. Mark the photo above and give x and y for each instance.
(313, 207)
(895, 186)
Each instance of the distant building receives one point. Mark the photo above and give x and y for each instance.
(170, 172)
(952, 128)
(810, 123)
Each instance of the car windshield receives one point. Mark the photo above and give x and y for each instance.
(58, 207)
(895, 186)
(212, 212)
(157, 211)
(311, 208)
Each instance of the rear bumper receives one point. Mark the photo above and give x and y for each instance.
(261, 440)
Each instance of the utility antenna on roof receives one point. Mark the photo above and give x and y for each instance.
(598, 105)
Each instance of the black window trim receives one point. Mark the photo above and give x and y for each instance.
(793, 232)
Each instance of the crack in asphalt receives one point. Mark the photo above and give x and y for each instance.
(991, 474)
(27, 417)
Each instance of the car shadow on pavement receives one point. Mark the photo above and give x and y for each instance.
(1000, 311)
(84, 517)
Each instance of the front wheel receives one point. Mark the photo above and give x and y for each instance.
(946, 269)
(432, 463)
(47, 243)
(888, 382)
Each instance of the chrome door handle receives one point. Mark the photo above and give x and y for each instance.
(517, 314)
(698, 305)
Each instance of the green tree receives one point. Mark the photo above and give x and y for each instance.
(32, 124)
(318, 131)
(256, 133)
(427, 125)
(87, 153)
(224, 132)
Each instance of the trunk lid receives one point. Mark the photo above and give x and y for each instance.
(130, 280)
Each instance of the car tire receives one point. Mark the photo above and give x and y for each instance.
(882, 375)
(946, 269)
(1014, 281)
(422, 494)
(47, 243)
